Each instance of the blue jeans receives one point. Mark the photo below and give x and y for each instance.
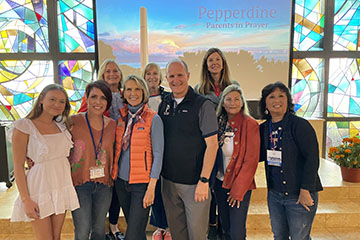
(233, 219)
(289, 219)
(89, 219)
(131, 201)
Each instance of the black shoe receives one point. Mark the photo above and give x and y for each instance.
(117, 236)
(212, 234)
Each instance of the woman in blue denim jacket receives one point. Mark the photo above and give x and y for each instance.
(290, 151)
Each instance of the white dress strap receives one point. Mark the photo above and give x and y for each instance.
(64, 129)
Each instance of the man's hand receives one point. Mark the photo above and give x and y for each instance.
(201, 191)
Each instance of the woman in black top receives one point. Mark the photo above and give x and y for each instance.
(290, 151)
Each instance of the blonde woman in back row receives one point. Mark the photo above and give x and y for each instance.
(153, 78)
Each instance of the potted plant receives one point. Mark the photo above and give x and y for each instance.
(347, 156)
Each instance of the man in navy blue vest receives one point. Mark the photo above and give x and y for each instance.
(190, 132)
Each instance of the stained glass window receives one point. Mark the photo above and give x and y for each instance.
(76, 26)
(23, 27)
(20, 83)
(309, 25)
(74, 75)
(307, 86)
(344, 87)
(336, 131)
(347, 25)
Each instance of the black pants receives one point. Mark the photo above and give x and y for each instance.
(114, 209)
(131, 201)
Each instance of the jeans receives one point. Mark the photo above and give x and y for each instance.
(89, 219)
(233, 219)
(289, 219)
(131, 201)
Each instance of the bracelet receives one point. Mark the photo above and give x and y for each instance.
(23, 198)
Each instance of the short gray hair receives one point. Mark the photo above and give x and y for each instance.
(176, 60)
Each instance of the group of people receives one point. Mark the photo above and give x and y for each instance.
(133, 145)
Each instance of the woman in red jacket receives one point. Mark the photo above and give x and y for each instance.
(236, 162)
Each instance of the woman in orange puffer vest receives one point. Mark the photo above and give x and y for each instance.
(138, 156)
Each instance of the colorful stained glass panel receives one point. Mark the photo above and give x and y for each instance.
(347, 25)
(307, 86)
(74, 75)
(309, 25)
(76, 26)
(20, 83)
(23, 27)
(344, 87)
(336, 131)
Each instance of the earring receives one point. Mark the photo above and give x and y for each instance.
(266, 111)
(59, 118)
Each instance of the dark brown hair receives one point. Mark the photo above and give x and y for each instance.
(103, 87)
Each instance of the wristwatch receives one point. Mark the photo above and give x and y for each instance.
(204, 179)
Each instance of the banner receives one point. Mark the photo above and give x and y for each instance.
(253, 34)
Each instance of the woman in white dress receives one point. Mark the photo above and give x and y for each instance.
(46, 190)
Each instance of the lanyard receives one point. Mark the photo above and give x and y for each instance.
(98, 148)
(272, 145)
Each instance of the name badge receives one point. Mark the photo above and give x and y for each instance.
(274, 158)
(97, 172)
(229, 134)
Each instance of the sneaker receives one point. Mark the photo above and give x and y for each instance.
(158, 235)
(109, 236)
(212, 234)
(167, 235)
(119, 236)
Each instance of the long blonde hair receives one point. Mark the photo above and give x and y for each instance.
(232, 88)
(206, 81)
(38, 108)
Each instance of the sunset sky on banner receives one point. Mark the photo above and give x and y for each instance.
(259, 26)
